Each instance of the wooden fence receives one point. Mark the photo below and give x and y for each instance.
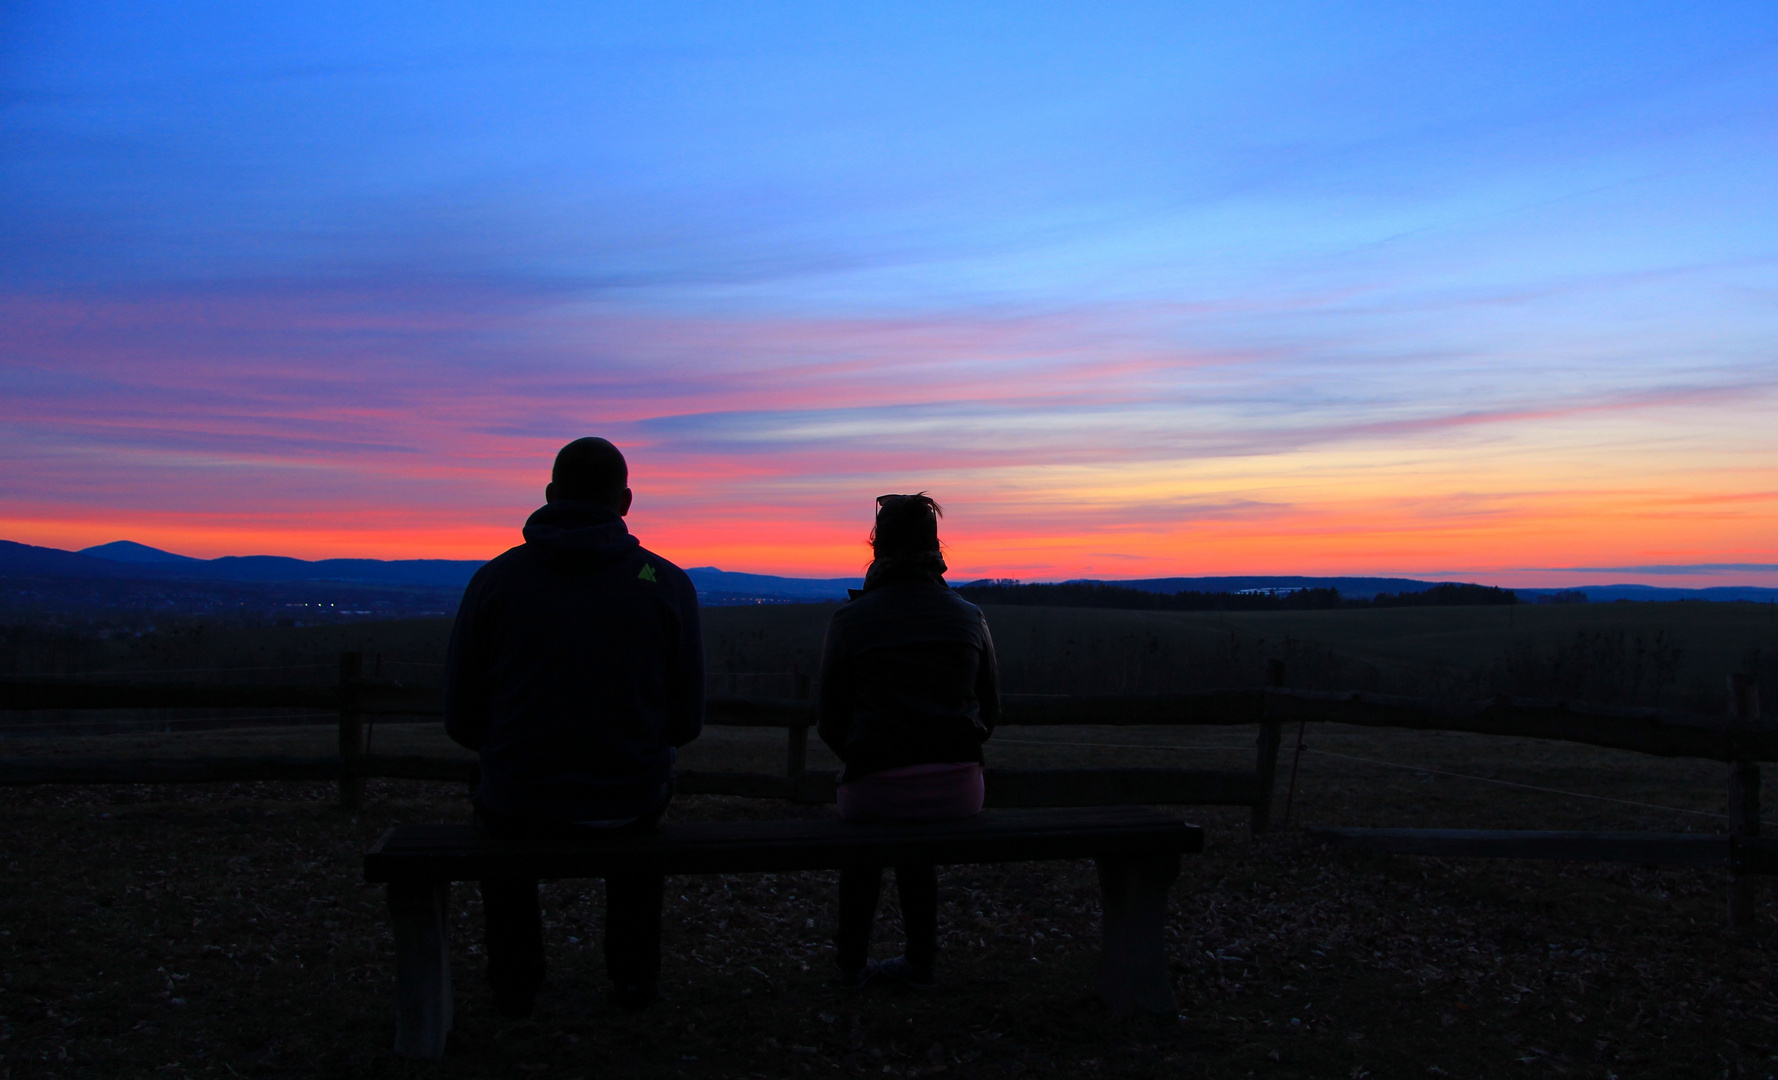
(1742, 740)
(359, 702)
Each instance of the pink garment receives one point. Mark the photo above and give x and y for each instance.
(914, 793)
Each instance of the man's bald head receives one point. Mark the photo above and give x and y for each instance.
(591, 470)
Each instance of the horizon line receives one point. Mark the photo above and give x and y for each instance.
(1430, 577)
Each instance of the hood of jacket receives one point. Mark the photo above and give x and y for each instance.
(583, 534)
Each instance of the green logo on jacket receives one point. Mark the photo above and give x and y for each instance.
(647, 573)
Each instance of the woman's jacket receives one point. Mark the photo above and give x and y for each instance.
(908, 677)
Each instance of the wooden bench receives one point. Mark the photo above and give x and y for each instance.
(1137, 851)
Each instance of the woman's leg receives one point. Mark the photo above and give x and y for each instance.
(859, 888)
(918, 888)
(514, 927)
(633, 936)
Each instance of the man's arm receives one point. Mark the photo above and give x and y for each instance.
(466, 697)
(685, 690)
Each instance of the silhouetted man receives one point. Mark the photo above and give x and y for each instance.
(576, 670)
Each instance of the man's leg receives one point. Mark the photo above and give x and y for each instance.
(917, 886)
(859, 888)
(514, 923)
(633, 936)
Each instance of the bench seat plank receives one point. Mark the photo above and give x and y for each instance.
(438, 853)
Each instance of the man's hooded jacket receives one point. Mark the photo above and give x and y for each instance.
(576, 668)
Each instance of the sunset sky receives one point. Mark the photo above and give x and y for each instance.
(1444, 290)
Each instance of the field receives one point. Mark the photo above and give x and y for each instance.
(220, 930)
(1674, 654)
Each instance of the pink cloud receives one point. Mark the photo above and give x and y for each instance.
(426, 418)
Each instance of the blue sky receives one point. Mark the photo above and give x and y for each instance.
(1471, 288)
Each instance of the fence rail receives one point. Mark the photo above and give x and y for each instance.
(1658, 732)
(1747, 854)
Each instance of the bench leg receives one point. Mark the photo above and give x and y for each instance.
(421, 912)
(1133, 964)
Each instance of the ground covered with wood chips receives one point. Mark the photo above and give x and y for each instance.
(222, 931)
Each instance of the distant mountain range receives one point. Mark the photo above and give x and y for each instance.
(724, 587)
(125, 560)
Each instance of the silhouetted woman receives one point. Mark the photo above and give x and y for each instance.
(908, 694)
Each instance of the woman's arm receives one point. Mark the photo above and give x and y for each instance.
(833, 707)
(987, 681)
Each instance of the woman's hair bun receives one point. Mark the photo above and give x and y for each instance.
(906, 524)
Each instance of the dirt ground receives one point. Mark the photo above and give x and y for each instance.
(222, 930)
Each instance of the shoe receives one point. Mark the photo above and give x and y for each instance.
(907, 974)
(634, 997)
(855, 980)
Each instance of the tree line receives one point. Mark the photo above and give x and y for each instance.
(1099, 594)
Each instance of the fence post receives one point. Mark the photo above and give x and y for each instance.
(351, 732)
(1269, 737)
(1296, 761)
(1743, 797)
(798, 763)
